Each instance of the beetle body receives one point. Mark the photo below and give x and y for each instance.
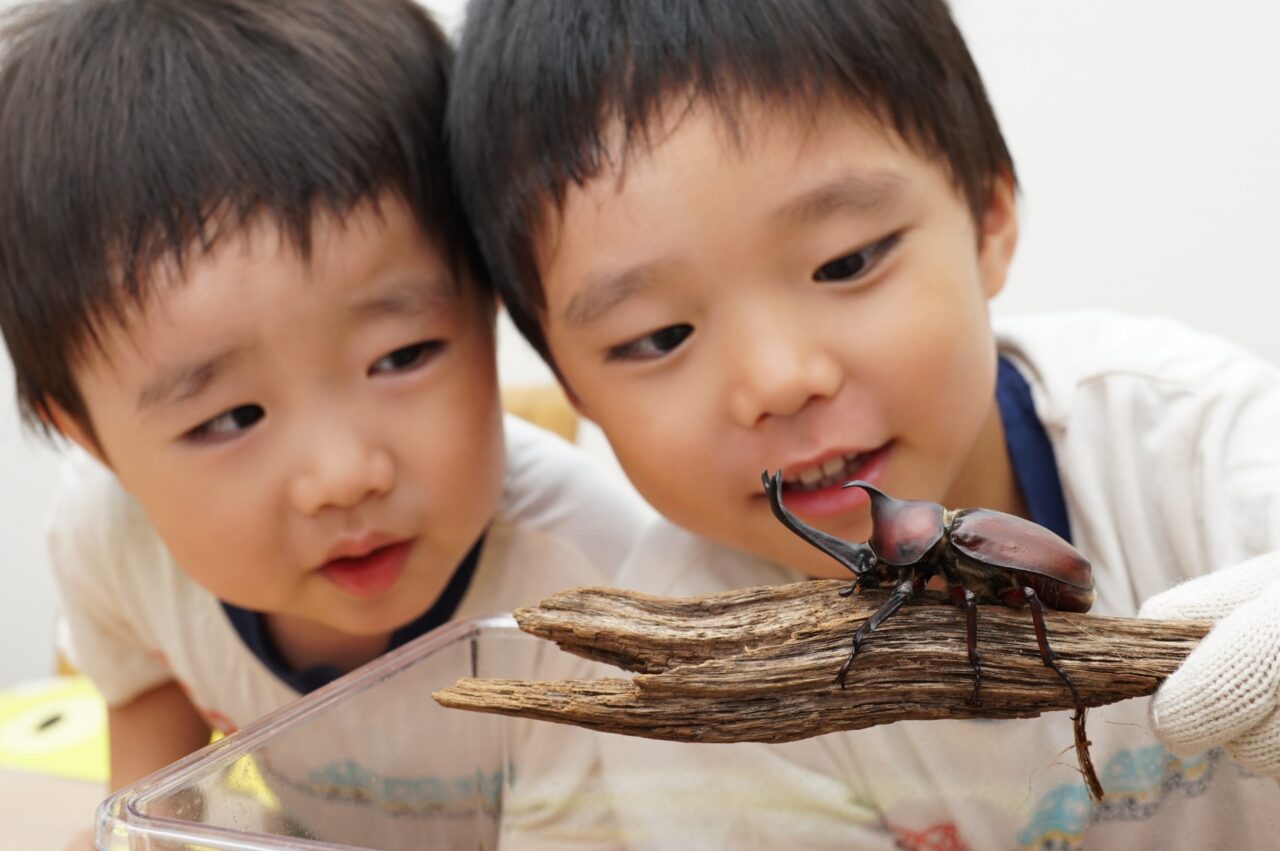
(1002, 554)
(993, 554)
(983, 556)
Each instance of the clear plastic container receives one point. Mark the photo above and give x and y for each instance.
(369, 761)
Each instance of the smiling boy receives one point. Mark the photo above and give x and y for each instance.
(233, 272)
(763, 234)
(701, 246)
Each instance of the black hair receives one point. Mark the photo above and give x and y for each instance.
(132, 131)
(538, 85)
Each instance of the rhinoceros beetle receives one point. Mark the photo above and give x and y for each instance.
(984, 556)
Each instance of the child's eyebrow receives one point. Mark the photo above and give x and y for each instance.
(606, 291)
(185, 381)
(409, 298)
(861, 192)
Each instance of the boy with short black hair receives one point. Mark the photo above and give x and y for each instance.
(233, 271)
(763, 234)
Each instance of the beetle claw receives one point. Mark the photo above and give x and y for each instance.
(844, 669)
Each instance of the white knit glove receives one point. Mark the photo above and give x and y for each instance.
(1227, 691)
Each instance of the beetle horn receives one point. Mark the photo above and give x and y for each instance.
(871, 489)
(853, 556)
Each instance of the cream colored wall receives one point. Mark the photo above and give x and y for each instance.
(1146, 134)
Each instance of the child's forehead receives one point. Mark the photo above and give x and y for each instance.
(731, 132)
(740, 127)
(373, 228)
(378, 253)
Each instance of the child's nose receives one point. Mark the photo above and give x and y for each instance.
(777, 371)
(344, 468)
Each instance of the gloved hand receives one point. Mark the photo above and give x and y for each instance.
(1227, 692)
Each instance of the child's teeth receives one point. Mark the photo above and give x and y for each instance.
(826, 474)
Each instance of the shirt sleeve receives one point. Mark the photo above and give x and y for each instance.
(92, 556)
(554, 486)
(1238, 465)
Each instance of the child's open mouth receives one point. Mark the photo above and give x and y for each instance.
(371, 573)
(818, 490)
(836, 470)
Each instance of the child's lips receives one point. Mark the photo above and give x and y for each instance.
(828, 497)
(371, 573)
(828, 469)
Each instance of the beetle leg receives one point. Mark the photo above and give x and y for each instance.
(903, 591)
(1051, 659)
(858, 558)
(964, 597)
(866, 580)
(1042, 638)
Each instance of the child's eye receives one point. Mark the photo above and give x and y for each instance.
(407, 358)
(651, 346)
(226, 425)
(855, 265)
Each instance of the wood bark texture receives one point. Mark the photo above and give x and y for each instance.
(759, 664)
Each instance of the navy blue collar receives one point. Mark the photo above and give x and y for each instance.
(251, 626)
(1030, 452)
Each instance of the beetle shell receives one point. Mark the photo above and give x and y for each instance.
(1010, 542)
(902, 531)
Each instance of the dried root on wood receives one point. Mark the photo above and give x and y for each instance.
(759, 664)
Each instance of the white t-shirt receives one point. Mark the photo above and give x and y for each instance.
(133, 620)
(1167, 443)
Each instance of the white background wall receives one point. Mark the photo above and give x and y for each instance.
(1146, 133)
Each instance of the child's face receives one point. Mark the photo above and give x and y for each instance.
(812, 299)
(320, 440)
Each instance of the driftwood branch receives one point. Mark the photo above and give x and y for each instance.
(759, 664)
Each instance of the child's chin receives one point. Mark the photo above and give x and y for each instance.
(793, 553)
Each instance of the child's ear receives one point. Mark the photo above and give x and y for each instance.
(72, 429)
(999, 234)
(575, 400)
